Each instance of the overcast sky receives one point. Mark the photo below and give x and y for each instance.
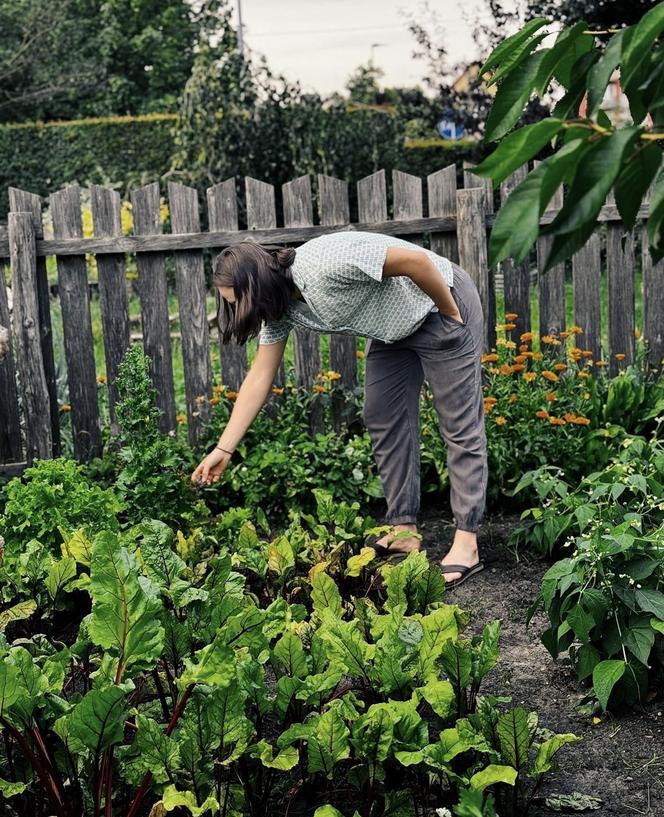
(321, 42)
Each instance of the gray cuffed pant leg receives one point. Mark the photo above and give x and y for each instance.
(448, 354)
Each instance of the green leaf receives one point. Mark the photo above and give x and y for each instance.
(125, 607)
(600, 74)
(605, 676)
(328, 743)
(173, 799)
(347, 646)
(639, 639)
(440, 696)
(9, 789)
(162, 563)
(60, 574)
(471, 804)
(646, 31)
(651, 601)
(576, 801)
(545, 758)
(289, 652)
(280, 556)
(517, 148)
(152, 751)
(517, 224)
(372, 738)
(325, 596)
(439, 628)
(515, 736)
(327, 811)
(285, 760)
(581, 622)
(97, 721)
(77, 545)
(508, 46)
(213, 665)
(356, 564)
(633, 181)
(493, 773)
(595, 176)
(511, 97)
(516, 56)
(568, 47)
(9, 690)
(656, 217)
(17, 612)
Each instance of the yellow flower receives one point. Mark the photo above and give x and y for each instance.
(526, 336)
(231, 395)
(619, 356)
(600, 363)
(319, 389)
(557, 421)
(560, 367)
(213, 401)
(359, 354)
(537, 355)
(586, 395)
(511, 316)
(549, 375)
(500, 420)
(509, 344)
(490, 399)
(547, 339)
(495, 370)
(101, 378)
(551, 396)
(527, 354)
(529, 376)
(577, 330)
(201, 398)
(276, 390)
(583, 375)
(489, 358)
(65, 407)
(217, 389)
(513, 398)
(181, 418)
(564, 334)
(505, 369)
(501, 342)
(542, 414)
(519, 358)
(334, 375)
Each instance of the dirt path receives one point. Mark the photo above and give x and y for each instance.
(621, 759)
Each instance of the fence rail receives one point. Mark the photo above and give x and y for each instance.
(457, 223)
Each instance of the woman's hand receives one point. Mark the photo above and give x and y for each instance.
(211, 468)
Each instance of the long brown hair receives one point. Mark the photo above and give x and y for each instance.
(261, 278)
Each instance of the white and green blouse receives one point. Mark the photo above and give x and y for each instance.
(340, 276)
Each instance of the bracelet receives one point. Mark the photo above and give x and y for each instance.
(230, 453)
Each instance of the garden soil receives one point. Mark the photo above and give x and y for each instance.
(621, 758)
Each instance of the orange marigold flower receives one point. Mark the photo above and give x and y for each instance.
(529, 376)
(231, 395)
(619, 356)
(217, 389)
(551, 396)
(549, 375)
(560, 367)
(583, 375)
(319, 389)
(528, 355)
(547, 339)
(557, 421)
(518, 367)
(587, 353)
(577, 330)
(505, 369)
(500, 420)
(490, 399)
(359, 354)
(519, 358)
(101, 378)
(581, 421)
(569, 416)
(526, 336)
(564, 333)
(65, 407)
(213, 401)
(489, 358)
(600, 363)
(181, 418)
(523, 348)
(276, 390)
(510, 326)
(542, 414)
(511, 316)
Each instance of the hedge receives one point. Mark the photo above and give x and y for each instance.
(132, 150)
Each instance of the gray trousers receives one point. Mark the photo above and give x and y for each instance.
(447, 354)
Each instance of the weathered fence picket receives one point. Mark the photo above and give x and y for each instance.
(456, 226)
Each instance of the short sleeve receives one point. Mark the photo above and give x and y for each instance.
(274, 331)
(355, 253)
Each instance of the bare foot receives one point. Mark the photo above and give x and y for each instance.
(463, 552)
(404, 544)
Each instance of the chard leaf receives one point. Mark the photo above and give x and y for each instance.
(356, 564)
(372, 738)
(97, 721)
(515, 736)
(325, 596)
(545, 758)
(213, 665)
(17, 612)
(328, 743)
(439, 627)
(173, 799)
(492, 774)
(9, 789)
(440, 697)
(60, 574)
(162, 563)
(289, 653)
(151, 751)
(286, 759)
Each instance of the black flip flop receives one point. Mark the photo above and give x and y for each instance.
(466, 573)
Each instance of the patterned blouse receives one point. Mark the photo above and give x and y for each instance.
(340, 276)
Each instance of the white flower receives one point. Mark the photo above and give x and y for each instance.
(443, 812)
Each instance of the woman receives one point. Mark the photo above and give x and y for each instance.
(423, 317)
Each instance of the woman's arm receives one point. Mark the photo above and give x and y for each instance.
(417, 266)
(253, 393)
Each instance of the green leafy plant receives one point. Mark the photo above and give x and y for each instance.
(605, 601)
(591, 156)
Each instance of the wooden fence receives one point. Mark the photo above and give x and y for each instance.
(457, 223)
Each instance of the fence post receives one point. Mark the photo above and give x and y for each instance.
(334, 209)
(551, 284)
(36, 401)
(153, 295)
(11, 448)
(471, 234)
(24, 202)
(222, 216)
(516, 277)
(620, 275)
(441, 190)
(653, 305)
(298, 212)
(587, 278)
(111, 270)
(77, 326)
(190, 280)
(407, 201)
